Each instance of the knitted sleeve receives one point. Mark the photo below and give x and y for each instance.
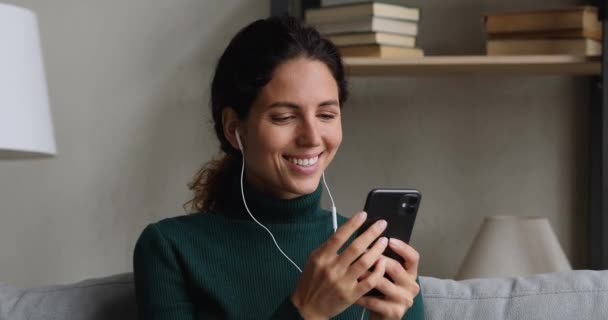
(159, 283)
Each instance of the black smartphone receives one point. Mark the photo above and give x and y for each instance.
(399, 208)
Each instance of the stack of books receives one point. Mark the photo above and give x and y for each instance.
(574, 30)
(371, 29)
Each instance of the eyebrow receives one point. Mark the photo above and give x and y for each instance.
(296, 106)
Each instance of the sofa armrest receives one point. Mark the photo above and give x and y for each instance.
(9, 296)
(105, 298)
(581, 294)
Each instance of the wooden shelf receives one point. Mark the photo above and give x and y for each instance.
(462, 65)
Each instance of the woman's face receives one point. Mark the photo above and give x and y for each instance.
(293, 129)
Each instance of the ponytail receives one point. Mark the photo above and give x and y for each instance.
(211, 185)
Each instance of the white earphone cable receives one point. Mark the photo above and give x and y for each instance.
(334, 218)
(333, 210)
(256, 220)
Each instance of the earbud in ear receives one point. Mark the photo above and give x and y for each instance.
(238, 139)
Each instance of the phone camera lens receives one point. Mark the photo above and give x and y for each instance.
(412, 200)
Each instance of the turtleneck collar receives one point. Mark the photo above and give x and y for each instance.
(267, 208)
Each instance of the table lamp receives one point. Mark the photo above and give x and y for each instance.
(26, 129)
(508, 246)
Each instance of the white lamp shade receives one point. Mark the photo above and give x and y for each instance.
(508, 246)
(26, 129)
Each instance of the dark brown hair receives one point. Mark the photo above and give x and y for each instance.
(244, 68)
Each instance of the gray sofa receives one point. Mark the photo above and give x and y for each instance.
(558, 296)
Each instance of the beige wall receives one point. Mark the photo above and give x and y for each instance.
(474, 145)
(129, 80)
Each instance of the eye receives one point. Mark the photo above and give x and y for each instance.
(327, 116)
(282, 119)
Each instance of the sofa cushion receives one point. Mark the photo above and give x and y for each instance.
(581, 294)
(94, 299)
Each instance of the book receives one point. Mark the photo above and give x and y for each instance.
(370, 24)
(543, 46)
(359, 11)
(391, 39)
(380, 51)
(565, 19)
(556, 34)
(326, 3)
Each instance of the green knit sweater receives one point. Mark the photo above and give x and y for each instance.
(221, 265)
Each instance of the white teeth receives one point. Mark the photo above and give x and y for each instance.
(304, 162)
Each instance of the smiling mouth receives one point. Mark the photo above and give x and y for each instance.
(303, 162)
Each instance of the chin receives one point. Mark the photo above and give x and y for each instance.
(305, 187)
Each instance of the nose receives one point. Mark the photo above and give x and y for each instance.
(308, 134)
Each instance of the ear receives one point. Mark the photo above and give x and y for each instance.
(230, 122)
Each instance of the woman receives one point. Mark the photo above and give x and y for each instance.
(276, 100)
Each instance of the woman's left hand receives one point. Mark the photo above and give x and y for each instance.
(398, 295)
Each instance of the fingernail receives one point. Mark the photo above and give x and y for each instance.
(361, 216)
(381, 224)
(383, 240)
(394, 241)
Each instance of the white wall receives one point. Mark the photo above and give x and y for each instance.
(129, 81)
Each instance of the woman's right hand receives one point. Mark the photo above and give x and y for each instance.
(330, 282)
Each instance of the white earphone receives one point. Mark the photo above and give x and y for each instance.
(238, 140)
